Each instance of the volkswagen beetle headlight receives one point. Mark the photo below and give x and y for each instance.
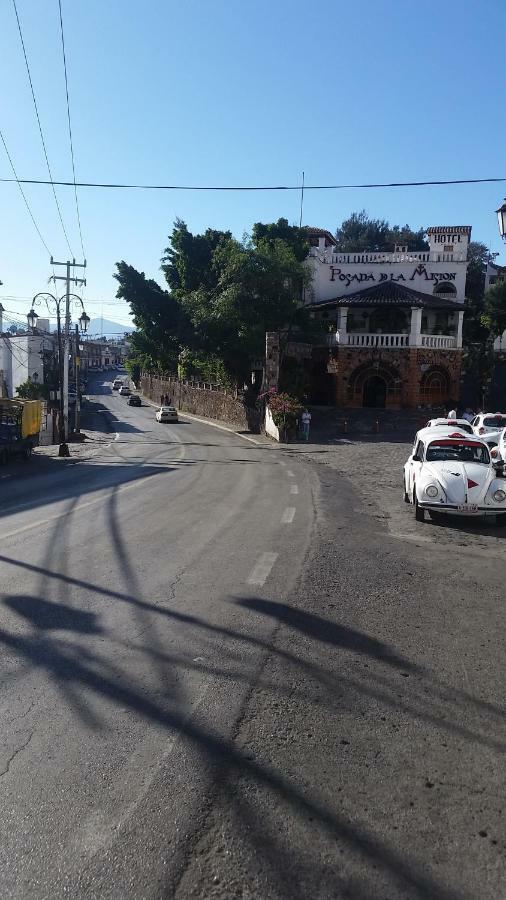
(499, 496)
(432, 491)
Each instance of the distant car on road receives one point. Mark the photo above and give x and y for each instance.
(134, 400)
(117, 383)
(125, 391)
(166, 414)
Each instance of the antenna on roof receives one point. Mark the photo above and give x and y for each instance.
(301, 200)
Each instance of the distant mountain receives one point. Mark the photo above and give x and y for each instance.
(107, 328)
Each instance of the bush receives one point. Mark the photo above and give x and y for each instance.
(285, 410)
(30, 390)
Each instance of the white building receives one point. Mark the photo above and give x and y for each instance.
(22, 356)
(393, 320)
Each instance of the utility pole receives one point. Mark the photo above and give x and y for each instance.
(78, 374)
(67, 279)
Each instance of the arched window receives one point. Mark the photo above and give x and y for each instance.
(445, 289)
(435, 386)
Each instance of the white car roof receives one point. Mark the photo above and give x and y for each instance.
(430, 434)
(445, 422)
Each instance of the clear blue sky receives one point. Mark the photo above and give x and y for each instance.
(235, 91)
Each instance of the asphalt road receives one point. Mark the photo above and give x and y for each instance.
(225, 674)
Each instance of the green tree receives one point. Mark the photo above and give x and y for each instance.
(494, 309)
(158, 316)
(474, 329)
(291, 235)
(187, 262)
(232, 292)
(30, 390)
(360, 233)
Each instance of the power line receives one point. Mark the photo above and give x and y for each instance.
(40, 127)
(70, 129)
(276, 187)
(19, 182)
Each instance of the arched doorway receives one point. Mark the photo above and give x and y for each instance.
(375, 384)
(374, 392)
(435, 386)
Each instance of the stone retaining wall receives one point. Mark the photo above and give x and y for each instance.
(202, 400)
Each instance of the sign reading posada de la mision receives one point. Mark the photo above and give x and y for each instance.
(337, 274)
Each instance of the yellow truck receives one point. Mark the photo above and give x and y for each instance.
(20, 422)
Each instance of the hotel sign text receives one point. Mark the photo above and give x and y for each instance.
(348, 278)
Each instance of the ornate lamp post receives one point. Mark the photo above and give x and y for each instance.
(501, 218)
(83, 322)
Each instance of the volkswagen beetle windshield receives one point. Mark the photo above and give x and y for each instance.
(468, 451)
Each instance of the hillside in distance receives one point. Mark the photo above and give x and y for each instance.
(107, 328)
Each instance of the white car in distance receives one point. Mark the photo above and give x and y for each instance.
(452, 472)
(499, 452)
(455, 424)
(489, 426)
(166, 414)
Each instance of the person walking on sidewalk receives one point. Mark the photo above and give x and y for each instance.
(306, 422)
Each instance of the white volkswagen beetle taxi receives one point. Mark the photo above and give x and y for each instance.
(489, 426)
(499, 452)
(452, 472)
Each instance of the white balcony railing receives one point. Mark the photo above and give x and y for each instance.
(438, 341)
(389, 341)
(416, 256)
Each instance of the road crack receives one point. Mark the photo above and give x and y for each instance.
(15, 753)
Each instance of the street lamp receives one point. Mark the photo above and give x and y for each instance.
(31, 318)
(501, 217)
(84, 321)
(62, 362)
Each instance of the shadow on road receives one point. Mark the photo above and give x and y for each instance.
(60, 644)
(48, 616)
(63, 481)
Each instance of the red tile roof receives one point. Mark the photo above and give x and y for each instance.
(320, 232)
(390, 293)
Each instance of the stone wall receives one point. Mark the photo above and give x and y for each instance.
(402, 370)
(202, 400)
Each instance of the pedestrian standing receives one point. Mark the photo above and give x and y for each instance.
(306, 422)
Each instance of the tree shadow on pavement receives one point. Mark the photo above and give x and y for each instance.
(324, 630)
(67, 664)
(48, 616)
(246, 782)
(62, 481)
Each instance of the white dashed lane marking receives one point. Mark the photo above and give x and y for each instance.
(263, 568)
(294, 489)
(288, 515)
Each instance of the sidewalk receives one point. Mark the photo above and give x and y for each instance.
(96, 439)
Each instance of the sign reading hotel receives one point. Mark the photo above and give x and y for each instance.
(337, 274)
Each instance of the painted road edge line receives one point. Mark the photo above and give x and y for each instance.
(288, 515)
(263, 568)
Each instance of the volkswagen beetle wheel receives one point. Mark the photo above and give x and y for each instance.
(419, 512)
